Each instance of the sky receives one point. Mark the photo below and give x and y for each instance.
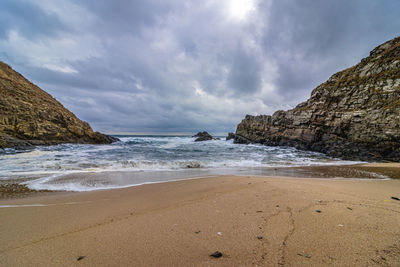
(167, 67)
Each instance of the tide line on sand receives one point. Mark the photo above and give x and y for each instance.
(41, 205)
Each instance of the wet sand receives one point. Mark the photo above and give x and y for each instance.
(252, 220)
(382, 165)
(14, 189)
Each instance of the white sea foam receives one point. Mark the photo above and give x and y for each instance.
(80, 185)
(148, 154)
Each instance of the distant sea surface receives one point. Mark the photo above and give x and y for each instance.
(146, 159)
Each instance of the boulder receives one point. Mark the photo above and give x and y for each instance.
(230, 136)
(203, 136)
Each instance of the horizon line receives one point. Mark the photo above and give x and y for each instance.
(162, 134)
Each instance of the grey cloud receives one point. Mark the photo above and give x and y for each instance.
(127, 16)
(59, 79)
(244, 76)
(28, 19)
(311, 40)
(173, 66)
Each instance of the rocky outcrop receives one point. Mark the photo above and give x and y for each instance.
(203, 136)
(353, 115)
(29, 116)
(230, 136)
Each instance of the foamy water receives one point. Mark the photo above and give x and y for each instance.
(145, 159)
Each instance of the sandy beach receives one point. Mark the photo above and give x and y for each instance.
(199, 133)
(252, 221)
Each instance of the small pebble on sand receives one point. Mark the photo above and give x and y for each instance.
(216, 254)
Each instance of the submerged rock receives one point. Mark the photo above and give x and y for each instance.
(353, 115)
(29, 116)
(203, 136)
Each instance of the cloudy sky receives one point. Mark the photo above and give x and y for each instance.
(161, 66)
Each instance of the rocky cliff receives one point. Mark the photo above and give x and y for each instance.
(30, 116)
(353, 115)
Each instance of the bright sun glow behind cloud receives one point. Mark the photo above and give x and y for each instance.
(239, 9)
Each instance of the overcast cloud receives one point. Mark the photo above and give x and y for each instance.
(183, 66)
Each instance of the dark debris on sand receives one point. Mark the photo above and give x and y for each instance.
(216, 254)
(15, 190)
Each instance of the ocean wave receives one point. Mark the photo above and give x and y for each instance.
(152, 154)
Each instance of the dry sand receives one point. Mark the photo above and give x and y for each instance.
(253, 221)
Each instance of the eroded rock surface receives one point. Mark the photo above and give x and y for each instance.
(230, 136)
(203, 136)
(29, 116)
(353, 115)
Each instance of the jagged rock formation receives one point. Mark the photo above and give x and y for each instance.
(230, 136)
(203, 136)
(30, 116)
(353, 115)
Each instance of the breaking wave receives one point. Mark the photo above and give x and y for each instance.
(144, 159)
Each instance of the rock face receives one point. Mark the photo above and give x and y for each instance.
(353, 115)
(203, 136)
(30, 116)
(230, 136)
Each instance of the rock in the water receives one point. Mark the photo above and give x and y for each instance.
(193, 164)
(353, 115)
(29, 116)
(230, 136)
(203, 136)
(7, 141)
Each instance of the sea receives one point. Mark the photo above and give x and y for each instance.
(137, 160)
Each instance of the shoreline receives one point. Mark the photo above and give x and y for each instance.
(260, 221)
(13, 189)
